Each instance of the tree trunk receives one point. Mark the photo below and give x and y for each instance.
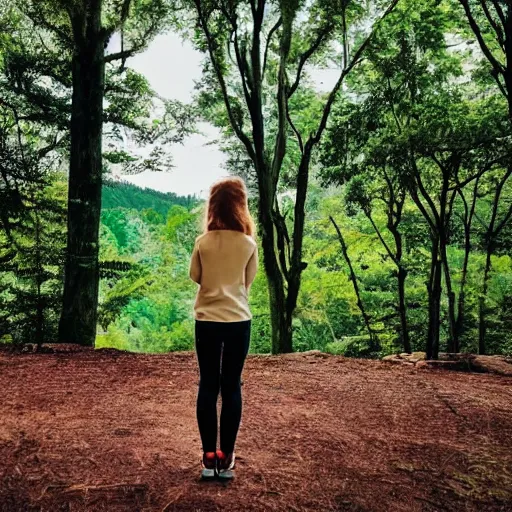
(452, 339)
(280, 320)
(393, 221)
(434, 302)
(404, 332)
(39, 282)
(492, 233)
(468, 220)
(461, 307)
(80, 300)
(482, 324)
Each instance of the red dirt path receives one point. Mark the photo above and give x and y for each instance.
(111, 431)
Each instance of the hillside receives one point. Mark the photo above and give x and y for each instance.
(126, 195)
(106, 430)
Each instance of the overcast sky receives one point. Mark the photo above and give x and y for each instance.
(171, 66)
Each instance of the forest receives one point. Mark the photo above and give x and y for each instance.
(383, 199)
(375, 141)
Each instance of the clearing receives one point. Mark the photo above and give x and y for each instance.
(103, 430)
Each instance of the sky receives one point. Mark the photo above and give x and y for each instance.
(171, 66)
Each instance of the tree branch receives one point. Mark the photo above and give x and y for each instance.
(498, 67)
(269, 38)
(242, 66)
(499, 10)
(222, 83)
(496, 231)
(123, 16)
(382, 241)
(294, 128)
(355, 60)
(306, 55)
(353, 278)
(494, 25)
(478, 175)
(282, 102)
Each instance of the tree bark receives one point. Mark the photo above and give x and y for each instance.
(395, 209)
(468, 221)
(280, 321)
(445, 211)
(39, 282)
(402, 310)
(452, 338)
(434, 302)
(482, 323)
(80, 299)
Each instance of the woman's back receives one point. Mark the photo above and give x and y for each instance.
(224, 264)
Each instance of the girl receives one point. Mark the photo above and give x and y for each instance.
(224, 264)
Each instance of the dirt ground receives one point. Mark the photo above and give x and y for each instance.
(111, 431)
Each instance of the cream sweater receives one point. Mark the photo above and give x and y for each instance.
(224, 264)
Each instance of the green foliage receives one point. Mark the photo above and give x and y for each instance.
(149, 308)
(126, 195)
(419, 116)
(352, 346)
(32, 238)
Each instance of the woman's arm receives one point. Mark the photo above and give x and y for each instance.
(195, 265)
(251, 269)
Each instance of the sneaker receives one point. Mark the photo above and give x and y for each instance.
(209, 466)
(225, 465)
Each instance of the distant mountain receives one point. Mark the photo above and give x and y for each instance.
(122, 194)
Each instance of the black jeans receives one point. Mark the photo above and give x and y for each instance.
(221, 351)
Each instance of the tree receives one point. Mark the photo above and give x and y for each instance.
(369, 185)
(32, 217)
(67, 48)
(423, 135)
(245, 78)
(499, 217)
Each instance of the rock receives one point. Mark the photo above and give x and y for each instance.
(414, 357)
(308, 353)
(492, 364)
(395, 358)
(448, 365)
(405, 358)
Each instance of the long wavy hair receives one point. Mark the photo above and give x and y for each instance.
(228, 207)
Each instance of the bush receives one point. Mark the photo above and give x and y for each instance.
(182, 336)
(351, 346)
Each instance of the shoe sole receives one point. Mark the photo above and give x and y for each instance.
(226, 475)
(208, 474)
